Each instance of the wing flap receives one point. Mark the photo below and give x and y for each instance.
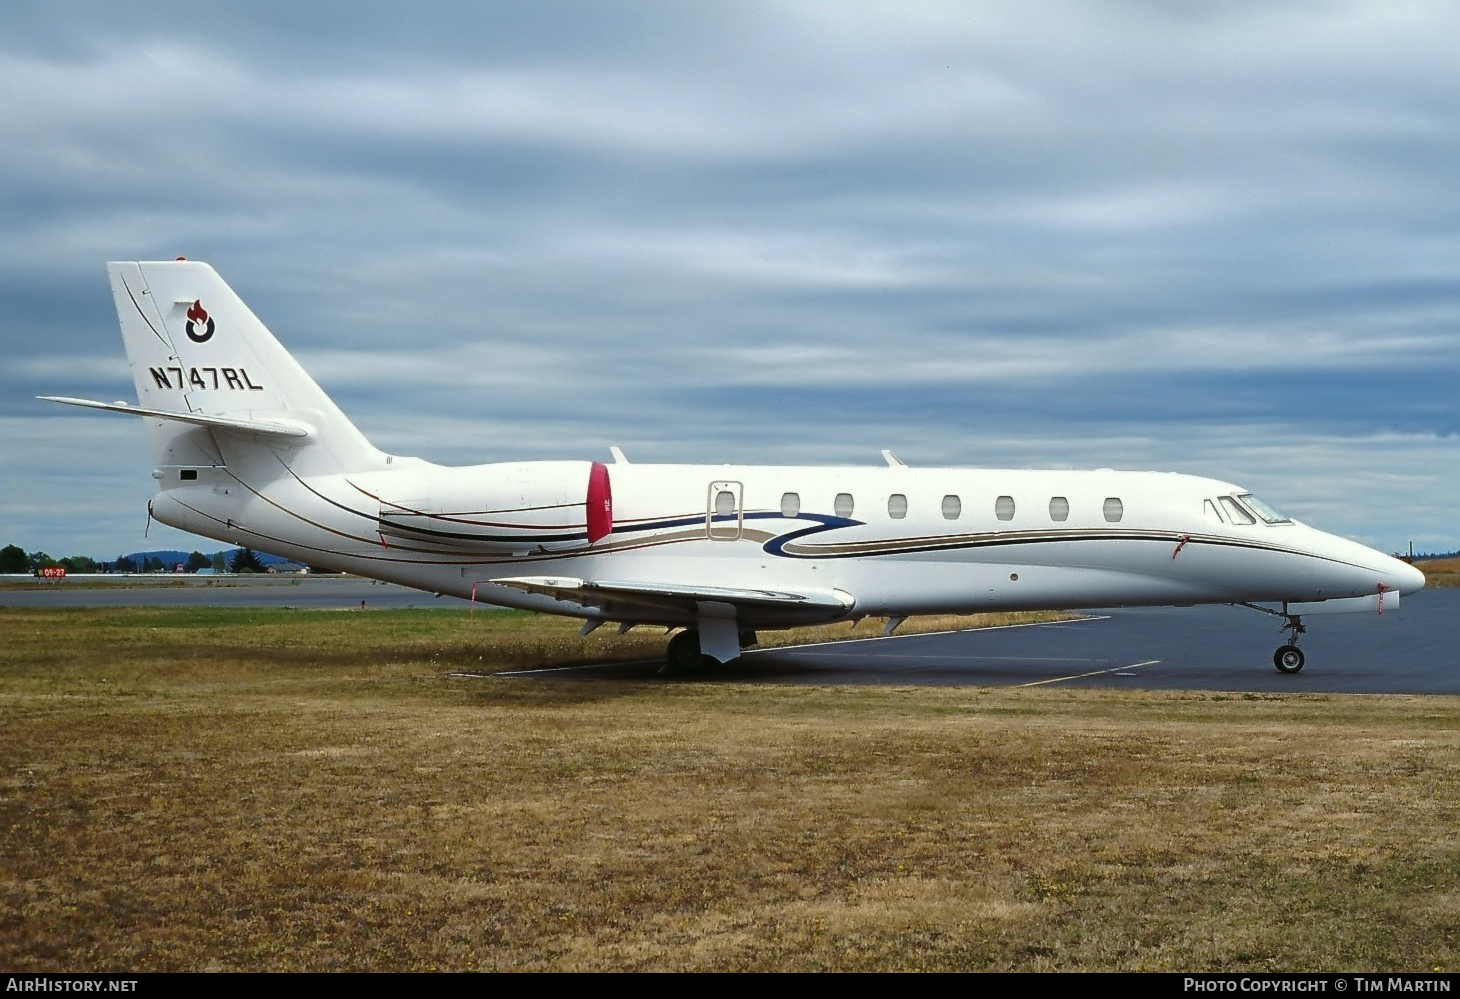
(264, 428)
(677, 601)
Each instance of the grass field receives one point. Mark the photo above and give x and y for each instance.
(1440, 571)
(281, 790)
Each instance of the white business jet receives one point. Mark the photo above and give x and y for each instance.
(250, 451)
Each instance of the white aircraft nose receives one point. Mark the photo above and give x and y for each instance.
(1410, 578)
(1396, 574)
(1367, 568)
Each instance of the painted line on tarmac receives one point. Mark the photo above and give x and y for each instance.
(928, 634)
(1098, 672)
(957, 659)
(559, 669)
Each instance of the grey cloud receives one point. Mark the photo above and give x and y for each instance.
(1133, 234)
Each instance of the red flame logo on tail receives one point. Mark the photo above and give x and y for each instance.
(200, 325)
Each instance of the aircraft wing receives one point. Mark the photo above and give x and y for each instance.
(678, 602)
(266, 428)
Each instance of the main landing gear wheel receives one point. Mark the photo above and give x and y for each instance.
(1288, 659)
(684, 652)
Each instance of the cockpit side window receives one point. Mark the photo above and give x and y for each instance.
(1235, 513)
(1264, 511)
(1209, 509)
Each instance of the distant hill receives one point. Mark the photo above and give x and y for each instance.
(171, 557)
(168, 558)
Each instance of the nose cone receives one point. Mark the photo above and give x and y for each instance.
(1365, 569)
(1395, 574)
(1410, 579)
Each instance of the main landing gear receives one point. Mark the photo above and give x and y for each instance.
(1288, 658)
(685, 656)
(684, 653)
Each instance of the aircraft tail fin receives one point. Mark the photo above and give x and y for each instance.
(210, 376)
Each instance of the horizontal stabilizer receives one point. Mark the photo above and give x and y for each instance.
(265, 428)
(677, 601)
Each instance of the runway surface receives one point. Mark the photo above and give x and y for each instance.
(311, 592)
(1413, 650)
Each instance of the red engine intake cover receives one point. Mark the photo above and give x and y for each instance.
(600, 503)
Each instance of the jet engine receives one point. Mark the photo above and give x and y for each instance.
(509, 507)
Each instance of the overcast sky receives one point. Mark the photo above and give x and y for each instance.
(1220, 238)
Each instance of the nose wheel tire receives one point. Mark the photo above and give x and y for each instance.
(1288, 659)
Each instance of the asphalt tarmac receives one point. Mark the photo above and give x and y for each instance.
(1412, 650)
(311, 592)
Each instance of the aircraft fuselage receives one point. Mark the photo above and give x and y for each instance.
(896, 540)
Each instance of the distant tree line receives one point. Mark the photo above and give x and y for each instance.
(15, 559)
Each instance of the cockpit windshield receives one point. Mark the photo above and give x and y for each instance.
(1264, 511)
(1236, 512)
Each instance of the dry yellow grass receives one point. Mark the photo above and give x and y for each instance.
(1440, 571)
(292, 790)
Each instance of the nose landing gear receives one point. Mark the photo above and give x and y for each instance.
(1288, 658)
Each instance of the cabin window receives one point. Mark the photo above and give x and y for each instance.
(897, 506)
(723, 514)
(1059, 508)
(1209, 510)
(1235, 513)
(1004, 508)
(1113, 509)
(1264, 511)
(843, 506)
(790, 504)
(188, 474)
(952, 507)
